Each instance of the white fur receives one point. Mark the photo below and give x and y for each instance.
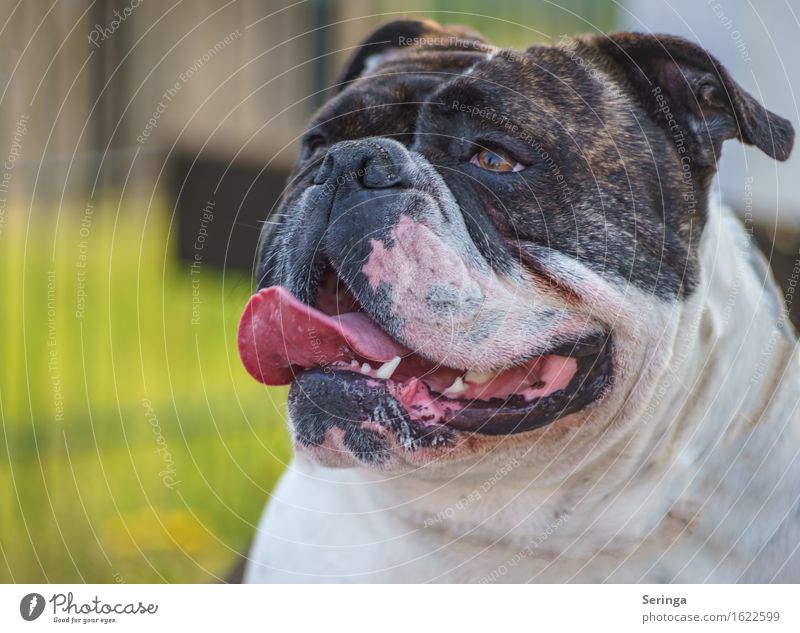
(687, 471)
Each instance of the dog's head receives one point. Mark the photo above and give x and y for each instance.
(480, 251)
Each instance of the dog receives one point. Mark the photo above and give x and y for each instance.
(525, 340)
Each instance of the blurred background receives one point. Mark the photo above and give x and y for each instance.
(142, 145)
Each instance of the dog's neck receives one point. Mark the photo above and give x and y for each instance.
(725, 408)
(734, 345)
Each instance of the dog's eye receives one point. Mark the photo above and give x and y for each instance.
(312, 144)
(495, 160)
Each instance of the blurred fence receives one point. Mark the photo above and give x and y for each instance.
(115, 87)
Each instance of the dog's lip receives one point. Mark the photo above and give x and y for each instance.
(281, 338)
(515, 415)
(279, 335)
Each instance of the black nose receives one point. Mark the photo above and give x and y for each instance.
(371, 163)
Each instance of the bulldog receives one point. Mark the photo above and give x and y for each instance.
(525, 342)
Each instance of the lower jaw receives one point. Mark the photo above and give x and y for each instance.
(324, 399)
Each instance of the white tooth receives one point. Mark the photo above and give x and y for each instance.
(479, 377)
(354, 363)
(386, 370)
(365, 368)
(457, 387)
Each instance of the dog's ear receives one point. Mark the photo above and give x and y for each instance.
(680, 82)
(399, 34)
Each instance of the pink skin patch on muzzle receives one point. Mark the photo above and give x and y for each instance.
(454, 307)
(416, 264)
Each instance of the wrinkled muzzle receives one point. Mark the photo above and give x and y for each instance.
(393, 231)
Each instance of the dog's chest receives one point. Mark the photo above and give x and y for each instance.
(313, 532)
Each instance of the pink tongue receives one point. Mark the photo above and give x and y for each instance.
(278, 331)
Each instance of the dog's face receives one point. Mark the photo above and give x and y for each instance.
(481, 253)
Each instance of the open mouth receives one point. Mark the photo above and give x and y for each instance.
(341, 362)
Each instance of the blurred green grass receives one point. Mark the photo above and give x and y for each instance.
(99, 410)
